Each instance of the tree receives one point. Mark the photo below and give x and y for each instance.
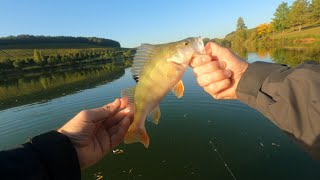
(299, 13)
(264, 29)
(6, 64)
(52, 60)
(315, 9)
(38, 57)
(280, 20)
(18, 63)
(240, 35)
(240, 24)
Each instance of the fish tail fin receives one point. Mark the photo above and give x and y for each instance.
(137, 134)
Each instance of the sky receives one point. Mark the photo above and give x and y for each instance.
(132, 22)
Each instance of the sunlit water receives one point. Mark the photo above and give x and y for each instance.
(197, 137)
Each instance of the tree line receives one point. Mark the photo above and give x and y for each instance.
(42, 61)
(25, 39)
(286, 18)
(299, 13)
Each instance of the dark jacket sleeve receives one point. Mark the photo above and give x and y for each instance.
(47, 156)
(289, 97)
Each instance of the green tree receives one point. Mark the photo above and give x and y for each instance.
(240, 34)
(315, 9)
(52, 60)
(280, 20)
(18, 63)
(38, 57)
(299, 13)
(241, 25)
(6, 64)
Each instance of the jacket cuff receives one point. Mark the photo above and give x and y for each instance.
(57, 155)
(252, 80)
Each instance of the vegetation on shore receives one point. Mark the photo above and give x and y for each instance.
(25, 41)
(80, 51)
(297, 25)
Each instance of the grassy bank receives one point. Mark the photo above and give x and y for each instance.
(308, 36)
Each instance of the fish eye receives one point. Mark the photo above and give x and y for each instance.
(186, 43)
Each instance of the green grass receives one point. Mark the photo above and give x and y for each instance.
(306, 32)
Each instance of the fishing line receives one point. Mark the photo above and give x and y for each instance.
(224, 162)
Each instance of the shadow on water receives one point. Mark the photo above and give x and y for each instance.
(32, 88)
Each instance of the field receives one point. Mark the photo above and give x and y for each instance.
(308, 35)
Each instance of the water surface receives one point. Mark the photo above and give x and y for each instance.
(197, 137)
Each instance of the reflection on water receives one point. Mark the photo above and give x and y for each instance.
(34, 88)
(295, 56)
(288, 56)
(182, 145)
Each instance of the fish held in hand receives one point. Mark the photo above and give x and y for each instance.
(157, 69)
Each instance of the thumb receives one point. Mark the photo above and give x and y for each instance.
(213, 49)
(105, 111)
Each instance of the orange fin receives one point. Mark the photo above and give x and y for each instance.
(136, 134)
(154, 115)
(178, 89)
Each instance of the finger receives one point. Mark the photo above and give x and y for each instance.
(214, 88)
(122, 128)
(200, 60)
(114, 129)
(111, 121)
(123, 102)
(212, 49)
(103, 138)
(104, 112)
(209, 67)
(212, 77)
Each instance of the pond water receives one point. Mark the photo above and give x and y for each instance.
(197, 137)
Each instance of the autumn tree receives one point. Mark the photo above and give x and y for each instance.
(264, 29)
(280, 20)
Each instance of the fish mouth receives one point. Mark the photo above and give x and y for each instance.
(198, 45)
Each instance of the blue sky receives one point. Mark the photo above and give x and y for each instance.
(132, 22)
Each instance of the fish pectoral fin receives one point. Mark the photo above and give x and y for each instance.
(154, 115)
(137, 134)
(178, 89)
(128, 95)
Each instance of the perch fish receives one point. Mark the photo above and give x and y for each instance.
(157, 69)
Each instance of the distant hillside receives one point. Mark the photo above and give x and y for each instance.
(45, 42)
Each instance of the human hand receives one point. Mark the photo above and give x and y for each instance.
(95, 132)
(219, 71)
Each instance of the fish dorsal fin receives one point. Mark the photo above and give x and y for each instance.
(154, 115)
(143, 55)
(178, 89)
(128, 94)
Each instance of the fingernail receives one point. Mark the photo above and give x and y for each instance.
(116, 102)
(203, 59)
(222, 64)
(227, 72)
(127, 110)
